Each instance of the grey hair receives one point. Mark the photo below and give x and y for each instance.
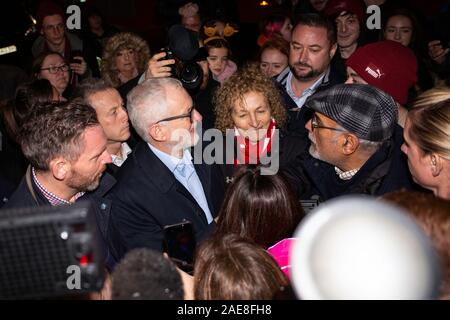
(369, 147)
(147, 103)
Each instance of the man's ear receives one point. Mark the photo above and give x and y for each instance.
(333, 50)
(157, 132)
(60, 168)
(436, 164)
(351, 144)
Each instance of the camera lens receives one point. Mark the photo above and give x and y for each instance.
(191, 75)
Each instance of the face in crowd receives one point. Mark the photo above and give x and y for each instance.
(192, 23)
(318, 5)
(111, 114)
(399, 28)
(55, 70)
(418, 161)
(353, 77)
(310, 53)
(217, 60)
(348, 29)
(273, 62)
(53, 29)
(324, 135)
(286, 30)
(87, 170)
(126, 61)
(252, 115)
(179, 127)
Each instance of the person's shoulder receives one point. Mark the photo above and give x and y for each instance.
(75, 41)
(21, 198)
(37, 46)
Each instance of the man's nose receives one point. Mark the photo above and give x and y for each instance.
(303, 55)
(196, 116)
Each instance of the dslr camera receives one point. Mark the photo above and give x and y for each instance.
(187, 71)
(184, 49)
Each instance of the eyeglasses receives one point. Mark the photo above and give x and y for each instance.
(181, 116)
(54, 69)
(59, 26)
(315, 125)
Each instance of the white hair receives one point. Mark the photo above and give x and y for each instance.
(147, 103)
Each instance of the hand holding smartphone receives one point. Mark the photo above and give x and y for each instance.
(179, 243)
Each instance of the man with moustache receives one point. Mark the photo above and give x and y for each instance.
(66, 148)
(113, 118)
(159, 184)
(312, 48)
(355, 148)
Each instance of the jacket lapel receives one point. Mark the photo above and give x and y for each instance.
(161, 176)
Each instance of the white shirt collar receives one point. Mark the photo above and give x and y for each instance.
(125, 151)
(170, 161)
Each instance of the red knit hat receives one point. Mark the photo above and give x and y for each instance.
(387, 65)
(335, 7)
(47, 8)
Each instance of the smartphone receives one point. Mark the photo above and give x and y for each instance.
(75, 53)
(180, 244)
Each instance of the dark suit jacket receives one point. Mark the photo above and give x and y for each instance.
(23, 198)
(148, 197)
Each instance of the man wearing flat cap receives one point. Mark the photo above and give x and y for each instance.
(355, 145)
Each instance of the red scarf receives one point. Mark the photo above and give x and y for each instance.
(249, 153)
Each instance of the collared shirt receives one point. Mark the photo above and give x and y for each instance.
(300, 101)
(51, 197)
(184, 171)
(345, 175)
(125, 150)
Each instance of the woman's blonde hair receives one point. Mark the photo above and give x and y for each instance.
(120, 41)
(430, 122)
(244, 81)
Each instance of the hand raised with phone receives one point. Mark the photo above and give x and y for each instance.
(77, 64)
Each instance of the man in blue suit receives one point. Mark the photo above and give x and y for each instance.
(159, 184)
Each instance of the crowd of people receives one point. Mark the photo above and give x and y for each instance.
(259, 156)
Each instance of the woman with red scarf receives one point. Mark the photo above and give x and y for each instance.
(248, 106)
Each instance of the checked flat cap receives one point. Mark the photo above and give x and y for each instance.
(363, 110)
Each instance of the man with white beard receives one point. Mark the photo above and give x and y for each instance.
(159, 185)
(355, 145)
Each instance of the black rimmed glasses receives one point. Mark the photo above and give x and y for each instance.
(54, 69)
(315, 125)
(181, 116)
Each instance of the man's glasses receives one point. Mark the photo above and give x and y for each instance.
(59, 26)
(181, 116)
(315, 125)
(54, 69)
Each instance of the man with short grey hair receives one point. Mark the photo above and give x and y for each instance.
(355, 145)
(159, 185)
